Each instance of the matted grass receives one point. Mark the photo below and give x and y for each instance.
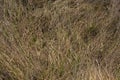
(60, 40)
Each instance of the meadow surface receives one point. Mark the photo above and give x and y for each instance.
(59, 39)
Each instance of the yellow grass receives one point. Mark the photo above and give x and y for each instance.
(59, 40)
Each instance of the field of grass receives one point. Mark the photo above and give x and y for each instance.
(59, 39)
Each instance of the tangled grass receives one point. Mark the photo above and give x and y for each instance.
(59, 40)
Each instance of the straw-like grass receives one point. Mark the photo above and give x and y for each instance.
(59, 40)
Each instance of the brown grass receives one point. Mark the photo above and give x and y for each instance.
(59, 40)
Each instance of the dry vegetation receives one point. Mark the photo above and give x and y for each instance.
(59, 39)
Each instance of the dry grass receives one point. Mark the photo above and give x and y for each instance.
(59, 40)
